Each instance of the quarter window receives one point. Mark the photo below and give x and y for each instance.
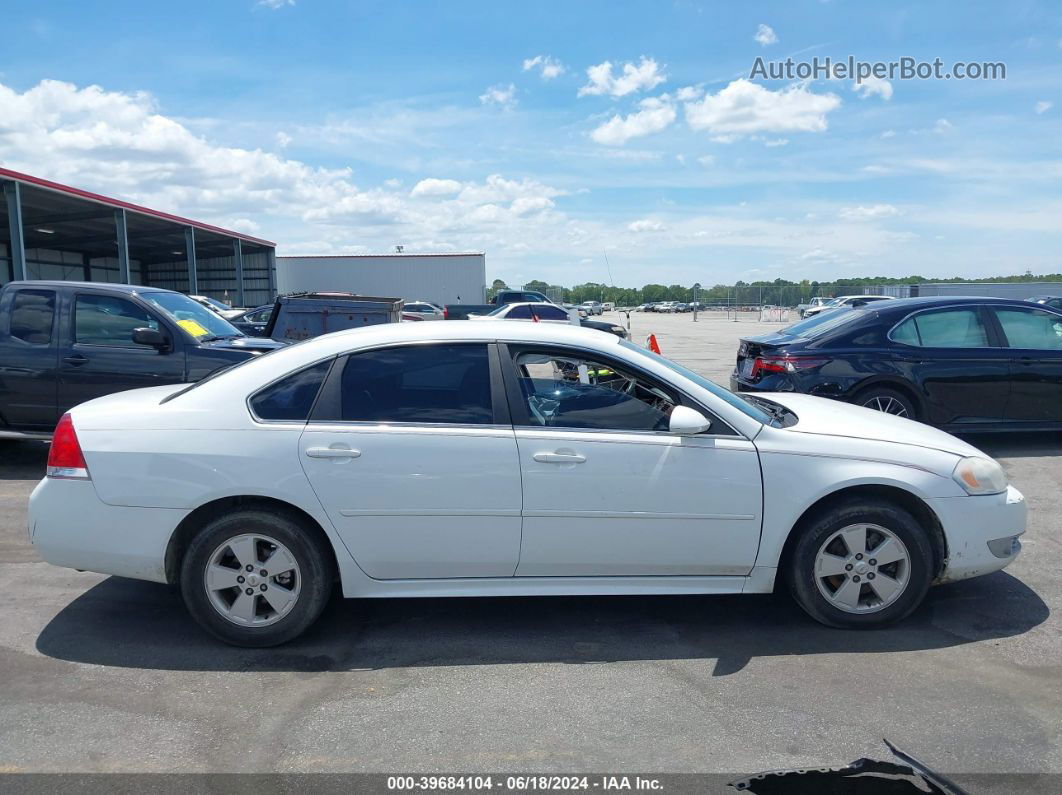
(32, 313)
(570, 391)
(949, 328)
(1031, 328)
(418, 383)
(291, 398)
(106, 320)
(549, 312)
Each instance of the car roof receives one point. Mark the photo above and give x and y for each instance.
(114, 286)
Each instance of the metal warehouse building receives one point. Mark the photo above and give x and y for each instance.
(53, 231)
(439, 278)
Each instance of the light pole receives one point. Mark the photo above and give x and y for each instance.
(696, 287)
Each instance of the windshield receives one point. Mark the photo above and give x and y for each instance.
(218, 304)
(746, 408)
(817, 325)
(501, 310)
(192, 316)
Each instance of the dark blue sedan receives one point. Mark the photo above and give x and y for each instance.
(964, 364)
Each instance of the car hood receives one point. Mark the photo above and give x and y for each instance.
(827, 417)
(245, 344)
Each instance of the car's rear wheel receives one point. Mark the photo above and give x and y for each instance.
(256, 579)
(860, 564)
(887, 401)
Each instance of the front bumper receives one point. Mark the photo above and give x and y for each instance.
(70, 526)
(970, 523)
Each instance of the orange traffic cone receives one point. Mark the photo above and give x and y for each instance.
(650, 343)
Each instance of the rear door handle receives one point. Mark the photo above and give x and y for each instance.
(77, 360)
(559, 458)
(332, 452)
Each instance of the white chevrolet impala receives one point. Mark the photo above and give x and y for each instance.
(496, 459)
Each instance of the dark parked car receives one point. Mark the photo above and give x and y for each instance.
(1053, 301)
(253, 322)
(961, 363)
(62, 343)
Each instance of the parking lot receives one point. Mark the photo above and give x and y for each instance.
(104, 674)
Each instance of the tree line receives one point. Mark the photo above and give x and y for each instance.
(780, 292)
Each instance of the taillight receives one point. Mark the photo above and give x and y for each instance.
(446, 313)
(65, 459)
(785, 364)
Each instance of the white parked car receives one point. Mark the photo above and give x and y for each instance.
(529, 312)
(844, 302)
(220, 307)
(493, 459)
(425, 310)
(592, 307)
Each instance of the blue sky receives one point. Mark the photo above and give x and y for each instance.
(552, 134)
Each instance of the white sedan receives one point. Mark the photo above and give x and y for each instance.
(497, 459)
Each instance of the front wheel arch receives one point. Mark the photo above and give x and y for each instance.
(191, 524)
(905, 499)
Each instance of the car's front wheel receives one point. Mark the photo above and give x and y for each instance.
(254, 578)
(860, 564)
(887, 401)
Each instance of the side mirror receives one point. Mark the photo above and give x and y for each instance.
(151, 336)
(687, 422)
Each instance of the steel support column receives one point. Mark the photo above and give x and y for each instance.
(14, 221)
(271, 266)
(237, 255)
(189, 249)
(122, 236)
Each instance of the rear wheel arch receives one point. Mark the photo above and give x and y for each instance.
(191, 524)
(910, 502)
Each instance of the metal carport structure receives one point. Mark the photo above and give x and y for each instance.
(54, 231)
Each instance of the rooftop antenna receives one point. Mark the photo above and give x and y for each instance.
(608, 267)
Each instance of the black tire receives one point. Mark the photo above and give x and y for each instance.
(315, 568)
(800, 572)
(880, 397)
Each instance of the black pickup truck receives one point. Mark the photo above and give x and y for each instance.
(62, 343)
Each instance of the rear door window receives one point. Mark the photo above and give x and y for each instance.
(946, 328)
(418, 383)
(1031, 328)
(32, 316)
(522, 312)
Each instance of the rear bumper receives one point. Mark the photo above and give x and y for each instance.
(70, 526)
(970, 523)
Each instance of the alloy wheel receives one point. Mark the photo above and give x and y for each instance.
(887, 405)
(252, 580)
(862, 568)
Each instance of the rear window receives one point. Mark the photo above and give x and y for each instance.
(823, 323)
(32, 313)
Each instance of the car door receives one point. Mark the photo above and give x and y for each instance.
(608, 491)
(28, 359)
(1034, 350)
(98, 355)
(956, 362)
(412, 454)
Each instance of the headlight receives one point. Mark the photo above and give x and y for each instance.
(980, 476)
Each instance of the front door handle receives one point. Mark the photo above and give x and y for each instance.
(559, 458)
(332, 452)
(77, 360)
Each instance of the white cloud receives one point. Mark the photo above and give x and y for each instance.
(706, 160)
(765, 35)
(501, 95)
(275, 4)
(654, 114)
(888, 134)
(773, 142)
(646, 225)
(1043, 106)
(283, 139)
(436, 187)
(548, 67)
(873, 212)
(743, 108)
(870, 86)
(943, 126)
(644, 76)
(688, 93)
